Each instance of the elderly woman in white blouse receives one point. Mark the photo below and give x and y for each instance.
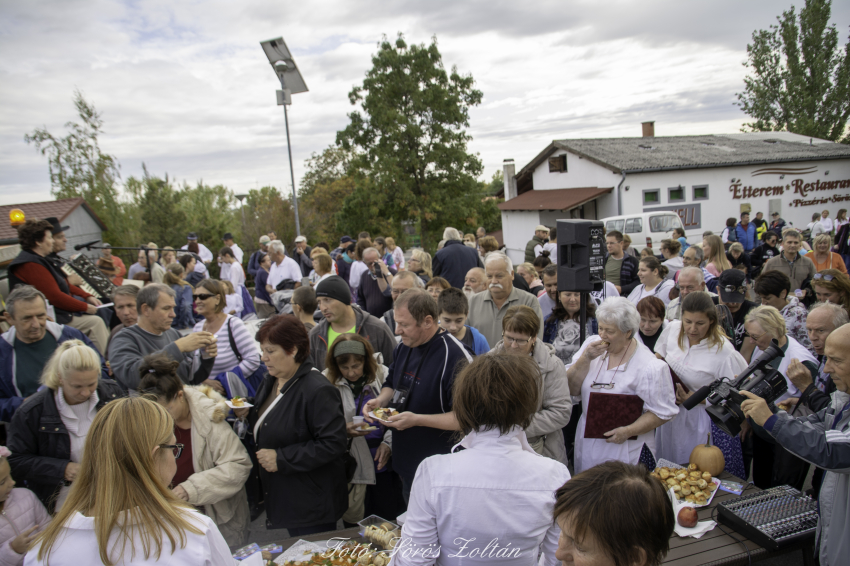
(498, 477)
(698, 352)
(615, 374)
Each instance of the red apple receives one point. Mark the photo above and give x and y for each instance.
(688, 517)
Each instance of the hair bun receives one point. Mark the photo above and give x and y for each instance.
(545, 253)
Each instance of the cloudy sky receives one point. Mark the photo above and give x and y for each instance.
(185, 88)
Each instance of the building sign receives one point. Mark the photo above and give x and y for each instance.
(690, 214)
(797, 187)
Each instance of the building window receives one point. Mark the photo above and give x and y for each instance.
(652, 196)
(700, 192)
(676, 194)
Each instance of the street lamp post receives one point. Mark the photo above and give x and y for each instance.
(241, 198)
(291, 82)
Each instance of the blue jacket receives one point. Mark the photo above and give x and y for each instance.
(747, 236)
(479, 342)
(10, 395)
(454, 261)
(184, 318)
(254, 263)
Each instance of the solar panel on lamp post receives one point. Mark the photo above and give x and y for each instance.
(291, 82)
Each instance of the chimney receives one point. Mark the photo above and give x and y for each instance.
(509, 173)
(648, 129)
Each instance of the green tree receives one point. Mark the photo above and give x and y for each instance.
(208, 211)
(162, 216)
(800, 79)
(410, 140)
(78, 168)
(324, 168)
(266, 211)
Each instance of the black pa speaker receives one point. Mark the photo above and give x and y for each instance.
(581, 255)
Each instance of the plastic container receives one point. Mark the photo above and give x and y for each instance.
(373, 520)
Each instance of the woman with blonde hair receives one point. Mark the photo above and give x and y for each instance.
(420, 264)
(48, 432)
(168, 257)
(832, 286)
(212, 471)
(773, 465)
(715, 255)
(823, 257)
(398, 253)
(323, 267)
(120, 510)
(175, 278)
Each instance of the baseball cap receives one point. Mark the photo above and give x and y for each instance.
(541, 228)
(731, 286)
(227, 236)
(775, 214)
(192, 236)
(346, 239)
(265, 239)
(300, 239)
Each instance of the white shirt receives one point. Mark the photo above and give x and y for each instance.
(237, 252)
(662, 291)
(498, 488)
(287, 269)
(77, 420)
(549, 247)
(233, 302)
(546, 304)
(236, 275)
(357, 269)
(203, 251)
(643, 375)
(795, 350)
(696, 366)
(77, 545)
(826, 223)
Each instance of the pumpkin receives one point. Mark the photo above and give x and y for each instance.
(708, 458)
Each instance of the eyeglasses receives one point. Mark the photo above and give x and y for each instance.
(755, 338)
(202, 296)
(177, 449)
(512, 341)
(824, 276)
(595, 385)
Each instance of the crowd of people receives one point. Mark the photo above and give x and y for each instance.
(465, 348)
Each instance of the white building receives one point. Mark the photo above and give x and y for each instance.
(706, 179)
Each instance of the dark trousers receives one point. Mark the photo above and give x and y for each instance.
(304, 531)
(385, 498)
(405, 490)
(773, 466)
(570, 433)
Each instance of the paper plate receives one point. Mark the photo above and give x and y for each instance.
(246, 405)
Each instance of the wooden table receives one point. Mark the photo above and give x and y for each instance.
(713, 548)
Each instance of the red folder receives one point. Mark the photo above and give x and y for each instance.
(676, 380)
(607, 411)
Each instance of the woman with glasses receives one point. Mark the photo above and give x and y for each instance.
(616, 363)
(212, 463)
(519, 337)
(823, 257)
(653, 277)
(120, 510)
(230, 331)
(773, 465)
(420, 264)
(698, 352)
(48, 432)
(832, 286)
(497, 475)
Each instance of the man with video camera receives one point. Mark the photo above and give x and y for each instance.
(822, 439)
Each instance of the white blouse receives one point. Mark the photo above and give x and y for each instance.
(696, 366)
(77, 545)
(497, 477)
(662, 291)
(643, 375)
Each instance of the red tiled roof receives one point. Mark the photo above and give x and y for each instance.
(61, 209)
(557, 199)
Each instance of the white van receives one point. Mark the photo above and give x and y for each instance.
(645, 227)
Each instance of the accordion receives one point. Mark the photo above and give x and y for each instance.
(94, 281)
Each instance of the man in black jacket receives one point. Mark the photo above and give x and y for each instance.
(766, 251)
(455, 259)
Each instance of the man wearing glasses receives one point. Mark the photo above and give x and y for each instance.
(732, 292)
(690, 280)
(799, 269)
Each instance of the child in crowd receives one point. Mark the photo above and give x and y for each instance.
(234, 305)
(24, 517)
(454, 309)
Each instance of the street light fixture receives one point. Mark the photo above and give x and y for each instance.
(242, 207)
(291, 82)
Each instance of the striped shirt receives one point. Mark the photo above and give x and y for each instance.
(226, 359)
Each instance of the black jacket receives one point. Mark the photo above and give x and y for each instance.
(307, 430)
(454, 261)
(744, 259)
(760, 256)
(62, 317)
(40, 443)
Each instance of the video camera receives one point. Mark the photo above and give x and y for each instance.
(725, 396)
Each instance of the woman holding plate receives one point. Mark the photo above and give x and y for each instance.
(627, 392)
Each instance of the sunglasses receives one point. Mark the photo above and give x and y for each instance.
(824, 276)
(733, 289)
(202, 296)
